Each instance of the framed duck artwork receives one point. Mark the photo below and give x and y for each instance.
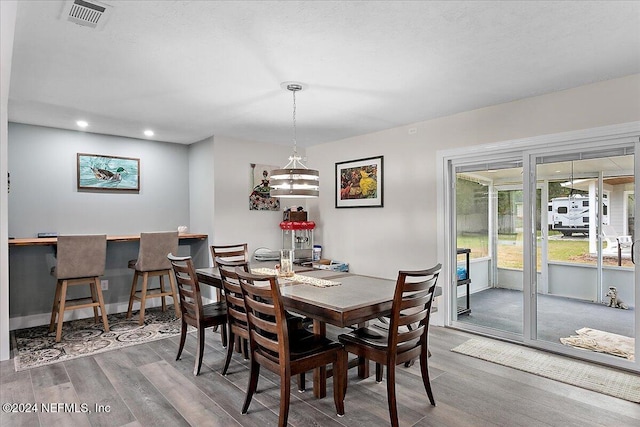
(108, 173)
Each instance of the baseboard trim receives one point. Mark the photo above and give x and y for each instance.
(44, 318)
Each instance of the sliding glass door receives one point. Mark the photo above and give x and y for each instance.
(541, 247)
(489, 207)
(587, 255)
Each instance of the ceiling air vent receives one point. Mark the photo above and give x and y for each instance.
(90, 14)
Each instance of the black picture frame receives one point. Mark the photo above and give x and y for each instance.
(360, 183)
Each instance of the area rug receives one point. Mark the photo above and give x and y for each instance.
(37, 346)
(602, 342)
(591, 377)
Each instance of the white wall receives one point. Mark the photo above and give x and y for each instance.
(7, 27)
(402, 234)
(234, 222)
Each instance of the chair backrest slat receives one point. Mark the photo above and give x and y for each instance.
(410, 311)
(268, 332)
(236, 311)
(237, 252)
(188, 287)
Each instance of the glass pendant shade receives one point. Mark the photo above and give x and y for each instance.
(294, 180)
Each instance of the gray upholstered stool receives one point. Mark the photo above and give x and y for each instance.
(80, 261)
(152, 261)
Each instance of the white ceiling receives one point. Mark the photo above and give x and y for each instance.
(192, 69)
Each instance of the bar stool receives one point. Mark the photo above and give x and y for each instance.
(152, 261)
(80, 261)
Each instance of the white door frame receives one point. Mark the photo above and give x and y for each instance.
(623, 135)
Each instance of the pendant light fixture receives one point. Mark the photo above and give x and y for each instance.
(294, 179)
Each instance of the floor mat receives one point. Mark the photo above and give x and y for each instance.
(592, 377)
(37, 346)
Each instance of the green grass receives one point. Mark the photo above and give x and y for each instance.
(510, 250)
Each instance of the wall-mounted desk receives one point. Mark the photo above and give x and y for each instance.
(32, 288)
(44, 241)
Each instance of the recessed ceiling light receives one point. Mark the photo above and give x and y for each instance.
(148, 132)
(82, 123)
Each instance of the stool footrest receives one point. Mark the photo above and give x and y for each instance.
(153, 293)
(78, 303)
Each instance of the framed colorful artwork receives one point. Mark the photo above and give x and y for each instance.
(359, 183)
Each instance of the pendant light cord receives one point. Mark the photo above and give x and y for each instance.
(295, 139)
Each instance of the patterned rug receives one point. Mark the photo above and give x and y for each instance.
(37, 346)
(602, 342)
(591, 377)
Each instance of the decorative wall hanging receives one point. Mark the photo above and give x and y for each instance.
(108, 173)
(260, 199)
(359, 183)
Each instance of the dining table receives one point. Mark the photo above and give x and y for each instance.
(330, 297)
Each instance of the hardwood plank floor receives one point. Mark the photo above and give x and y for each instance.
(145, 386)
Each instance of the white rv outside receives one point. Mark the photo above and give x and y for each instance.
(570, 214)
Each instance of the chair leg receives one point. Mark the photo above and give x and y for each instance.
(183, 337)
(229, 352)
(163, 298)
(54, 310)
(363, 367)
(199, 352)
(339, 381)
(132, 295)
(223, 337)
(378, 372)
(94, 299)
(302, 384)
(285, 398)
(424, 368)
(253, 384)
(63, 296)
(143, 296)
(105, 322)
(174, 295)
(245, 348)
(391, 395)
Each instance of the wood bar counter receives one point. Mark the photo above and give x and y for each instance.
(44, 241)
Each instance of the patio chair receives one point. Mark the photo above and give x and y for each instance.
(617, 245)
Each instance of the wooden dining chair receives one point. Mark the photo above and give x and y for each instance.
(152, 262)
(194, 313)
(237, 327)
(233, 252)
(80, 261)
(278, 350)
(402, 343)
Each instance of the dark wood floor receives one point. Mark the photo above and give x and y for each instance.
(144, 386)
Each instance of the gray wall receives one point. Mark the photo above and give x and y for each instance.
(43, 197)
